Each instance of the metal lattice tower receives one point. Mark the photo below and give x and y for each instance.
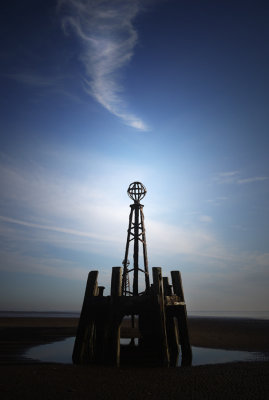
(135, 233)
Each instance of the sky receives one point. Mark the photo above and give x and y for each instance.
(96, 94)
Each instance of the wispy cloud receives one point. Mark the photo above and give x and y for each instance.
(58, 229)
(55, 84)
(106, 30)
(233, 177)
(56, 267)
(205, 218)
(218, 200)
(226, 177)
(253, 179)
(33, 79)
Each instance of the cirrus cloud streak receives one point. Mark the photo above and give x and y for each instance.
(108, 38)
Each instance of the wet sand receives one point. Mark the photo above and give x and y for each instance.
(230, 333)
(244, 380)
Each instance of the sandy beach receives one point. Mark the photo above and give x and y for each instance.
(22, 378)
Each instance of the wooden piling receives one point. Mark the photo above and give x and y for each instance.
(159, 293)
(180, 313)
(113, 328)
(177, 284)
(101, 291)
(171, 327)
(101, 318)
(84, 342)
(166, 286)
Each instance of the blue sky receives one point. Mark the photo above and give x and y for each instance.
(98, 94)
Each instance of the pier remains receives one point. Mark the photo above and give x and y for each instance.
(159, 309)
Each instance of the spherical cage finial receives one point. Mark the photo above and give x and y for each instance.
(136, 191)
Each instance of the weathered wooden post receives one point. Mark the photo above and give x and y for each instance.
(160, 314)
(83, 351)
(171, 327)
(167, 287)
(101, 318)
(115, 316)
(181, 315)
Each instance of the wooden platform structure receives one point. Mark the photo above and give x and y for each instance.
(160, 308)
(162, 321)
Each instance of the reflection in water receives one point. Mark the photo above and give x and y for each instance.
(127, 341)
(61, 352)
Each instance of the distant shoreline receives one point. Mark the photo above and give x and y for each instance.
(257, 315)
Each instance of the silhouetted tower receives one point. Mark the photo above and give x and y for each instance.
(135, 233)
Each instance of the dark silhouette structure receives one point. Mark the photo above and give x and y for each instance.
(137, 234)
(160, 308)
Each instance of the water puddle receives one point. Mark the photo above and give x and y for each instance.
(202, 356)
(61, 352)
(57, 352)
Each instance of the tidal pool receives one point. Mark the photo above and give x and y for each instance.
(61, 352)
